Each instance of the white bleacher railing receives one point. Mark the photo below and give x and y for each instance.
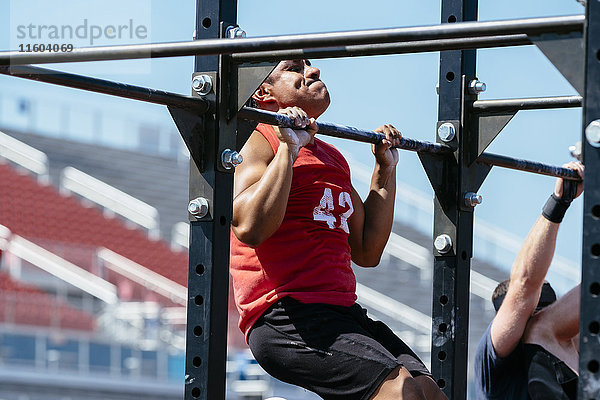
(394, 309)
(143, 276)
(144, 324)
(25, 156)
(421, 258)
(180, 236)
(111, 198)
(57, 266)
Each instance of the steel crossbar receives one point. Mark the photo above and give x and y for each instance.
(531, 103)
(421, 46)
(529, 26)
(347, 132)
(60, 78)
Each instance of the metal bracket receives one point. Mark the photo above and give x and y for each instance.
(250, 77)
(435, 170)
(473, 175)
(191, 129)
(566, 52)
(487, 127)
(439, 175)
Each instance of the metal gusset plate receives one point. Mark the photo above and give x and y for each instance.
(191, 128)
(250, 77)
(485, 129)
(566, 52)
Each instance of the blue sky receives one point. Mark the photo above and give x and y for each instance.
(366, 92)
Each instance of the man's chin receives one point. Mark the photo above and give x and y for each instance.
(320, 108)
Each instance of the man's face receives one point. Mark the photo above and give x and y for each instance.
(297, 83)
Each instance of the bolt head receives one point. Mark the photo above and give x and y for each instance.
(231, 159)
(193, 207)
(235, 32)
(476, 86)
(473, 199)
(236, 159)
(592, 133)
(446, 132)
(443, 243)
(575, 151)
(202, 84)
(198, 207)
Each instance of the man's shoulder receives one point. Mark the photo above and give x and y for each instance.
(484, 350)
(495, 376)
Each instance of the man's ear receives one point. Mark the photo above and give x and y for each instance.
(264, 98)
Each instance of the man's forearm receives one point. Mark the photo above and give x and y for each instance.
(379, 210)
(534, 259)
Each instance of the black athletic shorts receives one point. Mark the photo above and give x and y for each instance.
(548, 377)
(337, 352)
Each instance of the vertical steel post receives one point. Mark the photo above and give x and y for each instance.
(450, 178)
(589, 349)
(208, 280)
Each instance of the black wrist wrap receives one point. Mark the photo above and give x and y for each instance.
(555, 208)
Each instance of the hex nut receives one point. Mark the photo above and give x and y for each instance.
(231, 159)
(198, 207)
(235, 32)
(575, 150)
(472, 199)
(443, 243)
(476, 86)
(592, 133)
(202, 84)
(446, 132)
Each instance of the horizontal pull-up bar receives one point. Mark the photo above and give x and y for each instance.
(341, 131)
(199, 105)
(196, 104)
(530, 26)
(420, 46)
(346, 132)
(532, 103)
(527, 166)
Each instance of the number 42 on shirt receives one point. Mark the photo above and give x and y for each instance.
(324, 211)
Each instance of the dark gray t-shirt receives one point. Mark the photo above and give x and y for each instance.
(499, 378)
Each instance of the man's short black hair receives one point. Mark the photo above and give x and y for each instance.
(547, 296)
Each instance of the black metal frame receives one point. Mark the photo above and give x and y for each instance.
(215, 123)
(589, 328)
(208, 279)
(450, 178)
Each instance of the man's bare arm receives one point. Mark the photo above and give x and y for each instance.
(263, 181)
(526, 279)
(527, 276)
(371, 223)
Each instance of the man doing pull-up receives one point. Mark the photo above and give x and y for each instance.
(297, 225)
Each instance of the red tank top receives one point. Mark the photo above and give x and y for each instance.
(308, 257)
